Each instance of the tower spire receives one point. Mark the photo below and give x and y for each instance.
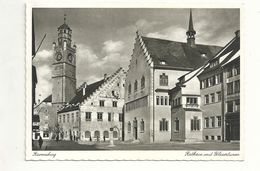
(64, 18)
(191, 32)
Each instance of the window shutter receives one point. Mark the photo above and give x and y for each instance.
(160, 125)
(198, 124)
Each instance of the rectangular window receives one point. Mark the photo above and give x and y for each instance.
(237, 105)
(163, 124)
(68, 117)
(219, 96)
(162, 103)
(101, 103)
(230, 106)
(230, 88)
(165, 100)
(100, 116)
(219, 137)
(212, 137)
(72, 117)
(195, 124)
(206, 99)
(206, 137)
(59, 118)
(219, 121)
(157, 100)
(212, 95)
(177, 125)
(212, 121)
(109, 117)
(217, 78)
(163, 80)
(206, 122)
(114, 103)
(237, 86)
(142, 126)
(236, 70)
(229, 72)
(88, 116)
(179, 101)
(120, 117)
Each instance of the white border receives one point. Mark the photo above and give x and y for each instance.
(124, 154)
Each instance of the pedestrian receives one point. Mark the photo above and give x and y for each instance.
(57, 137)
(104, 138)
(74, 138)
(40, 142)
(90, 139)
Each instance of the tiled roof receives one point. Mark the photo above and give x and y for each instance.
(89, 90)
(228, 52)
(79, 97)
(178, 54)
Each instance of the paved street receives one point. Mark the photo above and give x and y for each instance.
(71, 145)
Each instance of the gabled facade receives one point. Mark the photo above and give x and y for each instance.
(96, 112)
(155, 67)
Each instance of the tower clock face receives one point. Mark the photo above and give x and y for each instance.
(58, 57)
(70, 57)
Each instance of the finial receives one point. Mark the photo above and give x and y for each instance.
(64, 18)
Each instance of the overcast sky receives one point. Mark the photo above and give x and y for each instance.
(105, 37)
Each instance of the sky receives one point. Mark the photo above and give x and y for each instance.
(105, 36)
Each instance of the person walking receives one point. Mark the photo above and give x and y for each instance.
(40, 142)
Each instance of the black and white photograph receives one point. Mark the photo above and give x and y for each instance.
(135, 79)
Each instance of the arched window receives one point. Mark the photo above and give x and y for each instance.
(105, 134)
(87, 134)
(114, 134)
(129, 127)
(96, 134)
(129, 89)
(142, 82)
(142, 125)
(135, 86)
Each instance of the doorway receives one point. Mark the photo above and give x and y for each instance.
(135, 129)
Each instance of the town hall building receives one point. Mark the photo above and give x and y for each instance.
(154, 69)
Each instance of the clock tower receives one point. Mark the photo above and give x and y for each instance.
(63, 67)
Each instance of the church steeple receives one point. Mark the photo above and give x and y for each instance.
(191, 32)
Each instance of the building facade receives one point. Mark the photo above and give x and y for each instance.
(96, 112)
(45, 113)
(186, 115)
(214, 92)
(155, 67)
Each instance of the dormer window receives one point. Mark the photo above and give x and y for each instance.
(162, 62)
(203, 55)
(213, 63)
(163, 80)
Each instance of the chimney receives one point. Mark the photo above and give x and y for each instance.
(105, 76)
(39, 101)
(84, 89)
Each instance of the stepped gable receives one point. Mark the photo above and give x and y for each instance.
(178, 54)
(89, 90)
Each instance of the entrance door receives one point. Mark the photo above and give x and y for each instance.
(135, 129)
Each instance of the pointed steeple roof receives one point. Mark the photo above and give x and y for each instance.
(64, 25)
(191, 23)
